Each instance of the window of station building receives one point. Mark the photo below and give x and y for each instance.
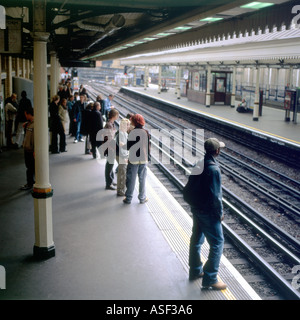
(202, 81)
(199, 80)
(229, 82)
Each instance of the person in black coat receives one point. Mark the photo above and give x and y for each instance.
(56, 127)
(24, 104)
(96, 124)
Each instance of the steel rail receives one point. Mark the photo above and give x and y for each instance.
(283, 285)
(268, 270)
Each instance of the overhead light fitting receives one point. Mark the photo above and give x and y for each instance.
(257, 5)
(183, 28)
(163, 34)
(211, 19)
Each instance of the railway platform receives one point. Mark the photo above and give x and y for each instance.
(104, 249)
(271, 123)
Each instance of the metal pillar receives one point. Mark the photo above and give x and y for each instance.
(23, 68)
(28, 68)
(53, 75)
(233, 87)
(159, 79)
(134, 77)
(178, 73)
(8, 87)
(268, 85)
(42, 191)
(208, 86)
(291, 77)
(146, 78)
(256, 102)
(17, 67)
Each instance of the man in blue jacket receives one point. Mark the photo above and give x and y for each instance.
(107, 106)
(207, 218)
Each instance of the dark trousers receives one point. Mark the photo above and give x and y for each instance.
(29, 163)
(109, 172)
(95, 144)
(9, 125)
(58, 130)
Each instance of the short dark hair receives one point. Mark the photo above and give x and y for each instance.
(112, 113)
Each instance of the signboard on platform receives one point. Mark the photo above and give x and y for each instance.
(196, 77)
(11, 37)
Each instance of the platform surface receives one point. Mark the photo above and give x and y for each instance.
(271, 122)
(104, 249)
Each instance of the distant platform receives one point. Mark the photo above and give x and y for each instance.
(270, 123)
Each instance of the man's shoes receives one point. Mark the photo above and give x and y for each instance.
(55, 152)
(81, 140)
(111, 187)
(144, 201)
(126, 201)
(75, 140)
(216, 286)
(193, 277)
(114, 184)
(26, 187)
(64, 150)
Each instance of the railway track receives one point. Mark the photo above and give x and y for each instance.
(271, 249)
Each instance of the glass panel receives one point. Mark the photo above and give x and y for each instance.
(220, 85)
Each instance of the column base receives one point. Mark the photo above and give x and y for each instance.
(255, 119)
(43, 253)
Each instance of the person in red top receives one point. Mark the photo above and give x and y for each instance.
(139, 152)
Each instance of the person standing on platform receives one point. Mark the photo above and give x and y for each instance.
(107, 106)
(85, 126)
(111, 151)
(78, 108)
(138, 159)
(122, 155)
(11, 108)
(28, 146)
(56, 127)
(70, 104)
(101, 101)
(207, 218)
(96, 124)
(24, 103)
(63, 114)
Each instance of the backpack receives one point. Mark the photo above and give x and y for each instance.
(194, 192)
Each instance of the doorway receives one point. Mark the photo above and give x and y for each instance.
(220, 89)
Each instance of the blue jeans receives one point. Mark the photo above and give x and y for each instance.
(209, 226)
(78, 135)
(132, 171)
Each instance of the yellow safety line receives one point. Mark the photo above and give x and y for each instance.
(227, 293)
(213, 115)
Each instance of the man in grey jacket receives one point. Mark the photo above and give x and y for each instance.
(207, 218)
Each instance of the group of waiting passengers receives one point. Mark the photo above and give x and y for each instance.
(88, 118)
